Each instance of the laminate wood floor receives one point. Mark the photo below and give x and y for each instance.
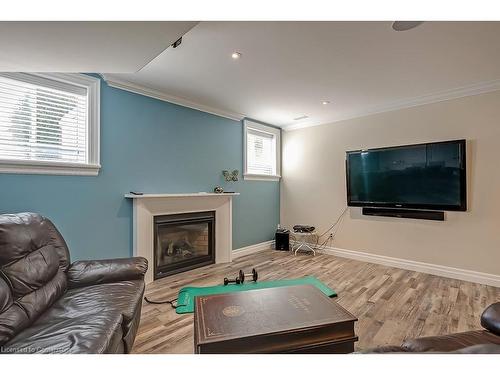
(390, 303)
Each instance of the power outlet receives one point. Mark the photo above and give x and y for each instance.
(330, 239)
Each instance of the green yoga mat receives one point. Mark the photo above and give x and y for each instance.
(185, 300)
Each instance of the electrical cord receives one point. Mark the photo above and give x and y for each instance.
(337, 228)
(322, 246)
(171, 302)
(336, 222)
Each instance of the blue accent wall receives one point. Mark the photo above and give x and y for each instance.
(151, 146)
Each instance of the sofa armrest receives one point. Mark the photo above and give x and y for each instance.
(490, 319)
(480, 349)
(451, 342)
(91, 272)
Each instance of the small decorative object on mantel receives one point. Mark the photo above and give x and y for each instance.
(218, 190)
(231, 176)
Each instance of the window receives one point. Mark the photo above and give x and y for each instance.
(49, 123)
(262, 152)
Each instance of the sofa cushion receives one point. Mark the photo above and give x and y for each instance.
(34, 259)
(21, 234)
(5, 295)
(92, 319)
(449, 343)
(33, 271)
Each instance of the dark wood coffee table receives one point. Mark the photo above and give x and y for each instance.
(295, 319)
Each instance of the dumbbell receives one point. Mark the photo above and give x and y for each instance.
(227, 281)
(254, 275)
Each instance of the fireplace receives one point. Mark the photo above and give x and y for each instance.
(183, 242)
(147, 206)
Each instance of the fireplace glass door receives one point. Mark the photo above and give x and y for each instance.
(183, 242)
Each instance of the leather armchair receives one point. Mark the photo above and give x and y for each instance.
(50, 305)
(490, 319)
(470, 342)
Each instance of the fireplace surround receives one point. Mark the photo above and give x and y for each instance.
(183, 242)
(147, 206)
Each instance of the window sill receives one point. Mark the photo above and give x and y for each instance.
(43, 167)
(260, 177)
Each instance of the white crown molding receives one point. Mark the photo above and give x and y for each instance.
(156, 94)
(456, 93)
(247, 250)
(433, 269)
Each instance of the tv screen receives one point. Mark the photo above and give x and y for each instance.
(426, 176)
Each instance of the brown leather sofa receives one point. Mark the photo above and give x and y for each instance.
(483, 341)
(49, 305)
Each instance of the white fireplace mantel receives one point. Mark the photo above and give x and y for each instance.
(181, 195)
(147, 206)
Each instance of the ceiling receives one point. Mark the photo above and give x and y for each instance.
(120, 47)
(288, 68)
(286, 71)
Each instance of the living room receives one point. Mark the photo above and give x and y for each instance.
(257, 184)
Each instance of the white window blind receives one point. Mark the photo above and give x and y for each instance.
(261, 159)
(262, 151)
(42, 121)
(49, 123)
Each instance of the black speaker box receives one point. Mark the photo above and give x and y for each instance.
(282, 241)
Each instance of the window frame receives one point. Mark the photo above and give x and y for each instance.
(92, 166)
(276, 133)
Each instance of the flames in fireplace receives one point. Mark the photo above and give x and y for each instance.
(183, 241)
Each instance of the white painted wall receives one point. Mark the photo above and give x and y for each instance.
(313, 187)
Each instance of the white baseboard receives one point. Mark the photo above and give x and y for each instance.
(433, 269)
(268, 245)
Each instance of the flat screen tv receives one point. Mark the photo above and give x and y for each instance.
(423, 176)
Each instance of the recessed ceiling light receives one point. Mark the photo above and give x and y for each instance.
(236, 55)
(301, 118)
(405, 25)
(325, 102)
